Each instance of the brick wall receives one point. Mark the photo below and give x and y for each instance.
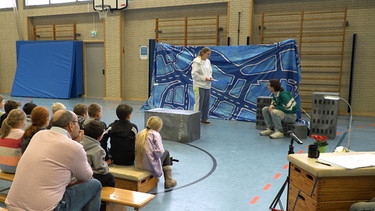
(361, 19)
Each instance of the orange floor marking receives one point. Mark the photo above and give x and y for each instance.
(277, 176)
(26, 100)
(267, 186)
(254, 200)
(110, 107)
(301, 151)
(372, 125)
(361, 126)
(338, 133)
(286, 166)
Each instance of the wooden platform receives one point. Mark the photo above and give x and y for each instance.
(127, 177)
(7, 177)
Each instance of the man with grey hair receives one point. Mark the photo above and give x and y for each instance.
(53, 173)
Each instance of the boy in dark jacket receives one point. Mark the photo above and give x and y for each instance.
(122, 138)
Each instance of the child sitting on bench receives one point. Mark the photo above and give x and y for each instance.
(150, 154)
(96, 154)
(122, 134)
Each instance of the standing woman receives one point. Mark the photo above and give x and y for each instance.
(39, 121)
(202, 78)
(150, 154)
(10, 140)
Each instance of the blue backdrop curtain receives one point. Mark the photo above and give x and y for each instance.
(242, 74)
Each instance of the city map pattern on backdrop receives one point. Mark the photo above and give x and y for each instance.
(242, 74)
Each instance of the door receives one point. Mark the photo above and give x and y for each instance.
(94, 70)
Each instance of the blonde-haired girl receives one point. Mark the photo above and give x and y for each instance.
(150, 154)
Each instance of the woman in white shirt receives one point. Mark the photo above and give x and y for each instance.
(202, 78)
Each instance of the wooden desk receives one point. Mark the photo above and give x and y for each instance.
(318, 187)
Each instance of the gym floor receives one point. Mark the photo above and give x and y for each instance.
(230, 167)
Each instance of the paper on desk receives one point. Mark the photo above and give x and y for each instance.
(350, 161)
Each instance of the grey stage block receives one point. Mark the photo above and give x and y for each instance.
(324, 115)
(300, 130)
(178, 125)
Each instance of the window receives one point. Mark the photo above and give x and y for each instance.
(61, 1)
(7, 4)
(48, 2)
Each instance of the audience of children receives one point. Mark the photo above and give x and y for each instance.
(127, 146)
(121, 134)
(95, 112)
(150, 154)
(57, 106)
(81, 110)
(28, 108)
(8, 106)
(96, 154)
(10, 140)
(39, 121)
(53, 173)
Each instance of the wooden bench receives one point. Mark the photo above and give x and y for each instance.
(3, 209)
(127, 177)
(117, 198)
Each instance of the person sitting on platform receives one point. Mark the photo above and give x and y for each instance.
(53, 173)
(95, 112)
(122, 134)
(8, 106)
(81, 110)
(55, 107)
(10, 140)
(283, 108)
(150, 154)
(39, 121)
(96, 154)
(28, 108)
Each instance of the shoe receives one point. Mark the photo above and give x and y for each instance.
(277, 134)
(169, 182)
(206, 122)
(266, 132)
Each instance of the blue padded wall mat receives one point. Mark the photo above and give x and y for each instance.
(48, 69)
(77, 83)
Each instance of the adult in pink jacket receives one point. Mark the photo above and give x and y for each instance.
(53, 173)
